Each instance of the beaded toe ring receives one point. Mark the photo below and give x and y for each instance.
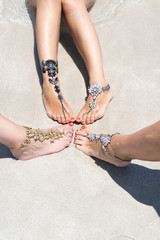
(105, 142)
(51, 67)
(40, 136)
(95, 90)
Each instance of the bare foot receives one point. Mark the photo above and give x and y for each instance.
(94, 148)
(37, 148)
(53, 105)
(102, 102)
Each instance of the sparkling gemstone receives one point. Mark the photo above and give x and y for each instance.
(92, 137)
(57, 89)
(106, 140)
(50, 65)
(95, 90)
(92, 105)
(51, 73)
(53, 80)
(98, 137)
(35, 137)
(60, 97)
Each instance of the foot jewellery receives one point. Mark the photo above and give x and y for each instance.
(51, 67)
(40, 136)
(105, 142)
(95, 90)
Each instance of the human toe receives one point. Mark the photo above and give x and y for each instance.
(54, 117)
(59, 118)
(63, 119)
(86, 130)
(96, 116)
(78, 137)
(79, 116)
(83, 119)
(79, 147)
(68, 128)
(92, 117)
(50, 115)
(67, 141)
(83, 131)
(72, 119)
(88, 118)
(78, 141)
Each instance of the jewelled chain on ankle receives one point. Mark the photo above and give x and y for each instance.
(105, 141)
(40, 136)
(95, 90)
(51, 67)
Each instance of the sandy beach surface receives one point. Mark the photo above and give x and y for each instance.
(68, 195)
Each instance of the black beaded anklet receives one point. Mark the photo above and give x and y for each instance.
(51, 67)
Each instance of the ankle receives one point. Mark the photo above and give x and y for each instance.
(118, 147)
(17, 137)
(100, 80)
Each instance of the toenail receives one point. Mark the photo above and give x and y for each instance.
(77, 130)
(71, 124)
(75, 135)
(75, 146)
(72, 119)
(78, 119)
(83, 127)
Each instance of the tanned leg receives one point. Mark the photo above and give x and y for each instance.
(48, 19)
(143, 145)
(13, 135)
(87, 42)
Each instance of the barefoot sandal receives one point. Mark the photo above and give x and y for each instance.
(105, 142)
(95, 90)
(40, 136)
(51, 67)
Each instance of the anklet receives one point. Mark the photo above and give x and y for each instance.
(95, 90)
(105, 142)
(40, 136)
(51, 67)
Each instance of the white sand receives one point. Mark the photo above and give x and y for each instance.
(69, 195)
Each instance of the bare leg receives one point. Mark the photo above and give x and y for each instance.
(142, 145)
(48, 19)
(86, 40)
(12, 135)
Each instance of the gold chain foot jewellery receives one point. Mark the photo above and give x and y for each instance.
(40, 136)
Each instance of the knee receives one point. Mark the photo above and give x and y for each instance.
(70, 5)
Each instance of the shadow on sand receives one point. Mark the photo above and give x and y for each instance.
(4, 152)
(140, 182)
